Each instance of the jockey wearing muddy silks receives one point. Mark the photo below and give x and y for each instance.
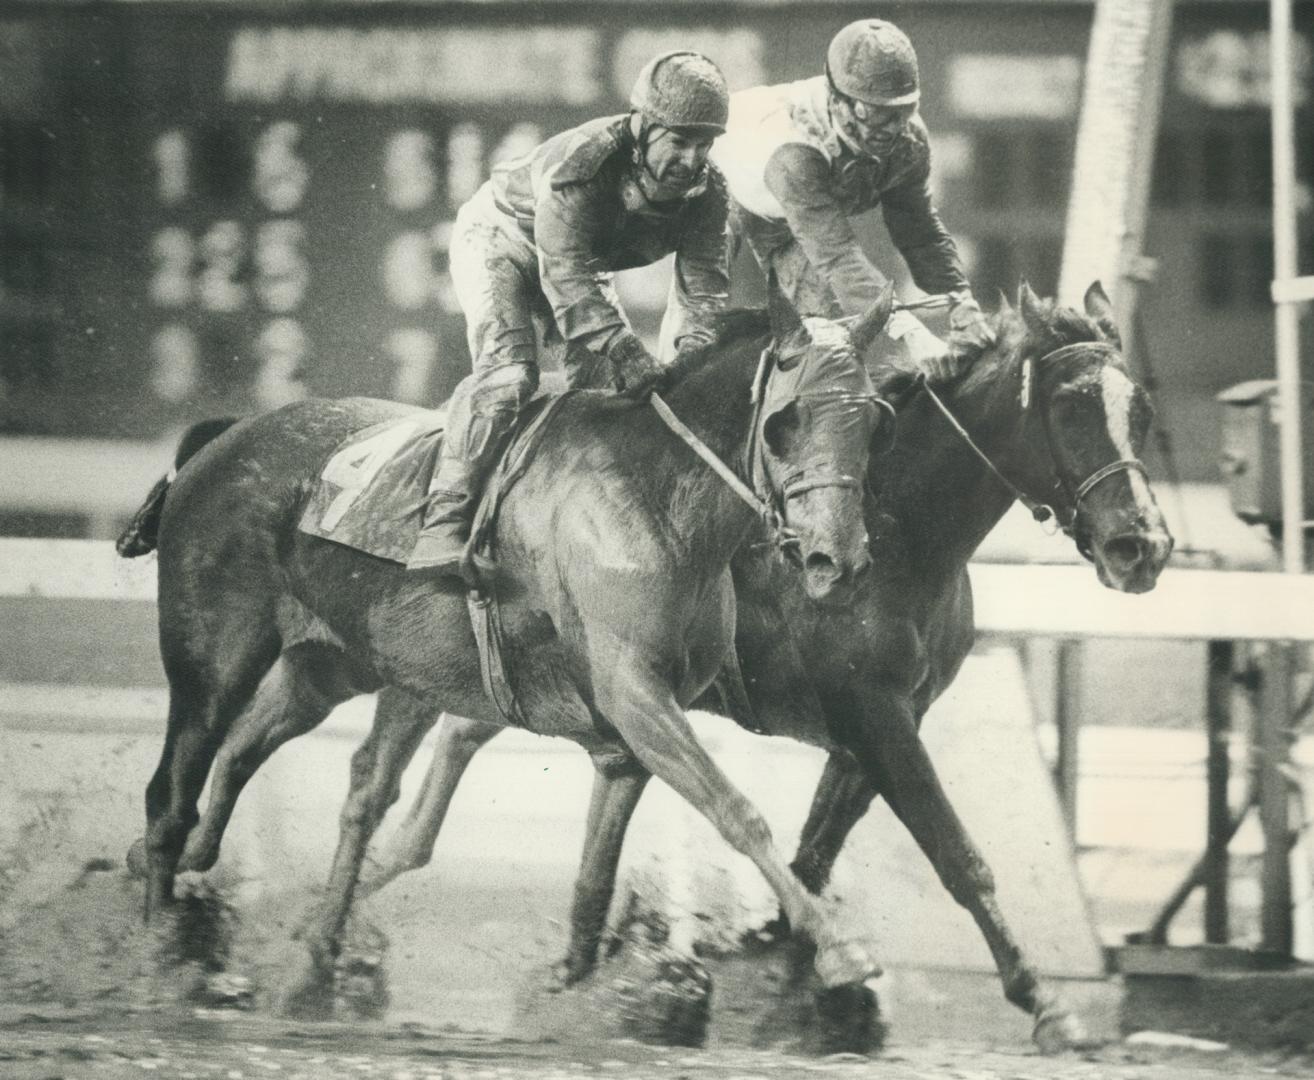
(802, 158)
(536, 247)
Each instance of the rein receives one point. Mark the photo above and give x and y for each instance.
(759, 498)
(713, 462)
(1042, 511)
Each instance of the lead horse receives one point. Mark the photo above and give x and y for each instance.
(613, 584)
(1050, 415)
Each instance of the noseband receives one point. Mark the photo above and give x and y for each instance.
(774, 499)
(1042, 510)
(761, 497)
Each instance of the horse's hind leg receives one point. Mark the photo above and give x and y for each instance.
(301, 689)
(411, 845)
(400, 723)
(208, 687)
(902, 771)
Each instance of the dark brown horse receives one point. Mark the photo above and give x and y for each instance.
(1056, 413)
(614, 589)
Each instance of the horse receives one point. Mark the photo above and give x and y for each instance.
(612, 580)
(1049, 415)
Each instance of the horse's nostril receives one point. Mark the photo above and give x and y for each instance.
(1126, 550)
(818, 562)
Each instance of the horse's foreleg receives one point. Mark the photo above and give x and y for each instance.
(656, 730)
(843, 795)
(376, 770)
(411, 845)
(300, 690)
(903, 772)
(611, 805)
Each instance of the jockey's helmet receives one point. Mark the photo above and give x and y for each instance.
(872, 61)
(682, 90)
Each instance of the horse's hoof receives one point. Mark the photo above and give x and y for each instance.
(306, 993)
(566, 973)
(198, 857)
(136, 858)
(1059, 1030)
(839, 963)
(847, 1020)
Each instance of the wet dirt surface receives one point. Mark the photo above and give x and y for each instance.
(83, 995)
(71, 1044)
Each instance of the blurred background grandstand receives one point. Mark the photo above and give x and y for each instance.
(219, 207)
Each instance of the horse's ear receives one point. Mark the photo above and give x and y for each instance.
(784, 319)
(1100, 308)
(1029, 304)
(873, 321)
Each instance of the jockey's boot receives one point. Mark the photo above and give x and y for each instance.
(445, 532)
(448, 513)
(472, 445)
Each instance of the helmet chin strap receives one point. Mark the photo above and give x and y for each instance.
(650, 185)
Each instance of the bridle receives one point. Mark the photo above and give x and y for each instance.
(768, 501)
(1043, 510)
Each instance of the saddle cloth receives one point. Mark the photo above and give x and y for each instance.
(371, 494)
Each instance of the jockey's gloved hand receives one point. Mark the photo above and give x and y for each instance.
(635, 372)
(969, 336)
(970, 333)
(922, 347)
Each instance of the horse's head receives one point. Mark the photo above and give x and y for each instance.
(1092, 419)
(817, 413)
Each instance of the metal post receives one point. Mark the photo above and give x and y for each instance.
(1273, 748)
(1285, 296)
(1218, 702)
(1067, 721)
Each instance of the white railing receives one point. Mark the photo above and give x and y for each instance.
(1014, 600)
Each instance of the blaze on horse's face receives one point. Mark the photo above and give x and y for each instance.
(817, 421)
(1097, 418)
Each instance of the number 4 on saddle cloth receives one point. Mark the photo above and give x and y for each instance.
(370, 495)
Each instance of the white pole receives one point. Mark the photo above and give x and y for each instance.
(1112, 162)
(1287, 314)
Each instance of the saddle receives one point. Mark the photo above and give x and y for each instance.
(370, 496)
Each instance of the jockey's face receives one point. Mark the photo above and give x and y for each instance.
(873, 129)
(676, 158)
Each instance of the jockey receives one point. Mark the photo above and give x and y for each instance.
(802, 158)
(537, 245)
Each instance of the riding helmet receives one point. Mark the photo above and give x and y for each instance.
(873, 61)
(684, 90)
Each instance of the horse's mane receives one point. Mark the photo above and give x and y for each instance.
(724, 328)
(1054, 325)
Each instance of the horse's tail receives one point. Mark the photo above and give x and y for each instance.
(142, 534)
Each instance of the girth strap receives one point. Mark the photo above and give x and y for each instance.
(481, 600)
